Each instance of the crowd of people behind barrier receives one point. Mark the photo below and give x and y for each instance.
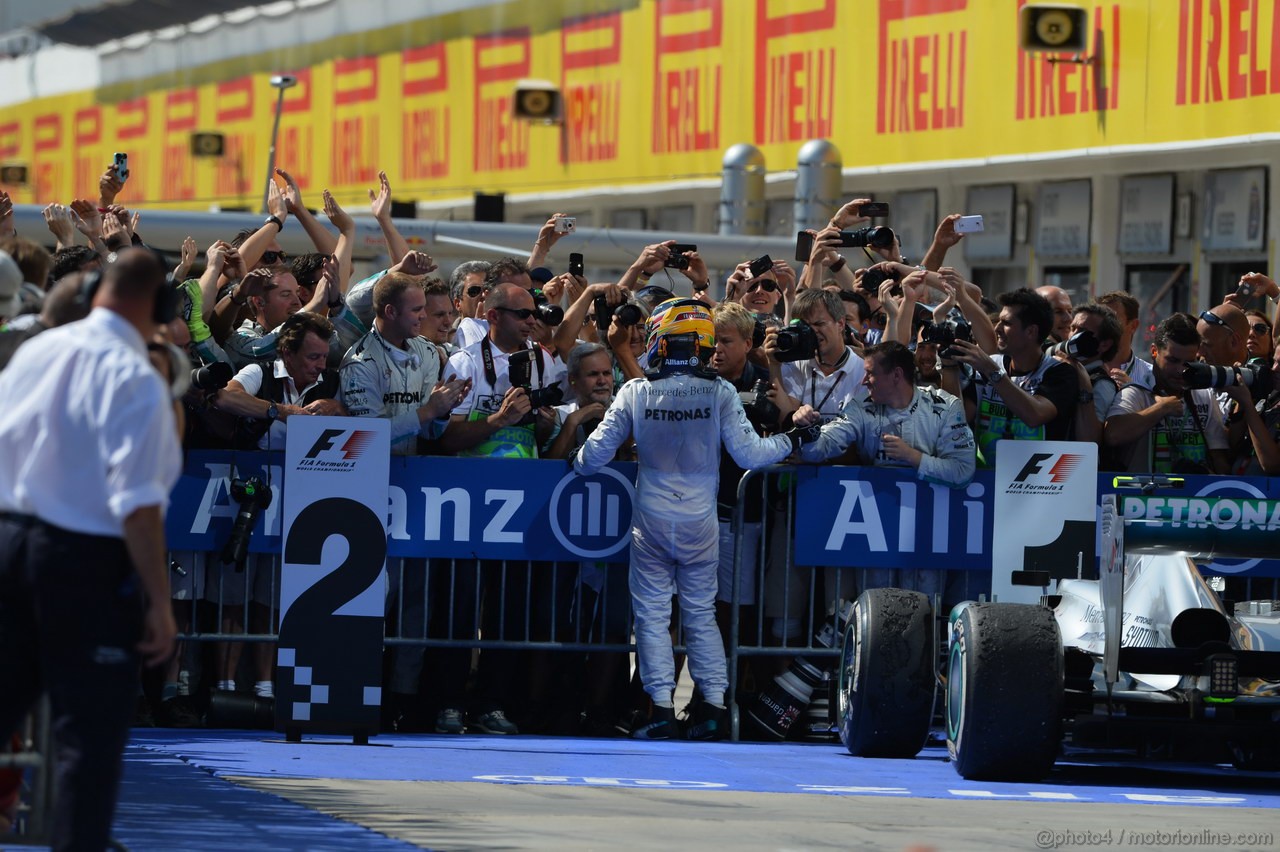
(908, 364)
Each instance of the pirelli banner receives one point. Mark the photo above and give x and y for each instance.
(858, 517)
(656, 88)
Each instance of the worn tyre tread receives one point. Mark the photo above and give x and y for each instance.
(887, 713)
(1011, 722)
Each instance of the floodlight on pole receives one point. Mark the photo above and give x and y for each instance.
(279, 82)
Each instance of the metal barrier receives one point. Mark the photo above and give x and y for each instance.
(455, 605)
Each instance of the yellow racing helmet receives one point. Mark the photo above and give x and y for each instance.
(688, 321)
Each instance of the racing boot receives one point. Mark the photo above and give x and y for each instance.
(662, 725)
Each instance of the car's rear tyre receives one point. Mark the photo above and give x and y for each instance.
(1004, 692)
(884, 693)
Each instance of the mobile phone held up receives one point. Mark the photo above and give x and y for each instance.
(121, 164)
(576, 264)
(969, 225)
(874, 209)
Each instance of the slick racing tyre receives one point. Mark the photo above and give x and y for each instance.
(1004, 692)
(884, 693)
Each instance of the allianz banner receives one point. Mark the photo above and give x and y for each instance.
(859, 517)
(437, 506)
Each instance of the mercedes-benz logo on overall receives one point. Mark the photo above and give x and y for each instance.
(591, 515)
(336, 449)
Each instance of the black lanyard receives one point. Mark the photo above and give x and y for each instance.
(813, 382)
(491, 374)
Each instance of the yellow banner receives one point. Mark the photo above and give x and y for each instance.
(655, 90)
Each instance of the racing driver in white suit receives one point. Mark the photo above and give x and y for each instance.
(679, 414)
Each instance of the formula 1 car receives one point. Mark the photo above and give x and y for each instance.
(1146, 659)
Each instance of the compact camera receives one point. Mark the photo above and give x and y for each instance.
(565, 224)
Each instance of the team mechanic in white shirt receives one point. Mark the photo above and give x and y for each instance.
(91, 449)
(679, 414)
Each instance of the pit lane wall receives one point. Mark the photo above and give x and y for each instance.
(859, 517)
(655, 90)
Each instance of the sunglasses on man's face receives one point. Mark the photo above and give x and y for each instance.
(1260, 328)
(766, 284)
(274, 256)
(475, 290)
(880, 318)
(519, 313)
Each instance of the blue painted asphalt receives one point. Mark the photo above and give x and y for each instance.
(167, 804)
(756, 767)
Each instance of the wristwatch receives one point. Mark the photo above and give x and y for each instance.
(701, 286)
(274, 220)
(272, 411)
(1000, 373)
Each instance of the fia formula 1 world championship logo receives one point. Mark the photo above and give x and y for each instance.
(591, 515)
(336, 450)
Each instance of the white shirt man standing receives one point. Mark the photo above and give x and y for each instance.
(91, 453)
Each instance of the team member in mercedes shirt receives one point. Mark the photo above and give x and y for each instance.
(392, 372)
(679, 415)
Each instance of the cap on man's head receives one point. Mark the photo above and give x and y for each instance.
(10, 286)
(541, 275)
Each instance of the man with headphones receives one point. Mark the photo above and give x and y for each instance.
(680, 414)
(88, 429)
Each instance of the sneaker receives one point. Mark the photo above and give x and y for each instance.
(662, 726)
(495, 722)
(709, 722)
(449, 721)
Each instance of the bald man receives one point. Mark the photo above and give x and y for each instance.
(1062, 313)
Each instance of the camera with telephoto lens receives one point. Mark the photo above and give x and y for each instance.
(760, 409)
(520, 374)
(1257, 377)
(550, 314)
(944, 334)
(780, 705)
(253, 497)
(212, 378)
(796, 342)
(1082, 345)
(627, 313)
(878, 236)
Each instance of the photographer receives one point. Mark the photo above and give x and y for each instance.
(810, 359)
(1168, 427)
(760, 290)
(591, 379)
(1023, 393)
(295, 383)
(1261, 421)
(1091, 341)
